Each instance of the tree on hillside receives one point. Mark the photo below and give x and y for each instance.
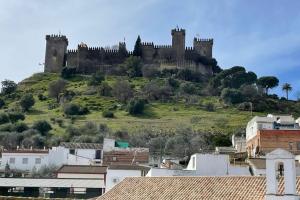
(134, 66)
(287, 88)
(268, 82)
(27, 101)
(2, 103)
(137, 51)
(55, 88)
(122, 90)
(8, 87)
(42, 126)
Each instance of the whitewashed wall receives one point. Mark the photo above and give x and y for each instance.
(119, 175)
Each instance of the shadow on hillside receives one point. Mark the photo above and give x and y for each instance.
(36, 112)
(148, 113)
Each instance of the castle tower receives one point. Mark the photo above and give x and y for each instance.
(178, 43)
(56, 51)
(204, 46)
(280, 164)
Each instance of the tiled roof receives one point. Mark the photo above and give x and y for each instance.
(82, 169)
(38, 151)
(191, 188)
(129, 167)
(71, 145)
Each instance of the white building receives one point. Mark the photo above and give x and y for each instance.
(117, 173)
(239, 143)
(270, 122)
(65, 154)
(24, 160)
(205, 165)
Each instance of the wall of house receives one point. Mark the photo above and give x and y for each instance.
(119, 175)
(83, 176)
(285, 139)
(170, 172)
(18, 157)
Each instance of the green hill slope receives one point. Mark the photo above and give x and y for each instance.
(158, 115)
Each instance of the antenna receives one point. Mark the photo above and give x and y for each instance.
(59, 32)
(124, 39)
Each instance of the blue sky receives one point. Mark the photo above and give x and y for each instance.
(261, 35)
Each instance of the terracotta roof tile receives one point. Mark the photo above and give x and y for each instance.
(82, 169)
(191, 188)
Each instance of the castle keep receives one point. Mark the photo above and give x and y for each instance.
(88, 60)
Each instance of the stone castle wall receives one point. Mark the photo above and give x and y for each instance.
(88, 60)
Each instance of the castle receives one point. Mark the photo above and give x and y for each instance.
(88, 60)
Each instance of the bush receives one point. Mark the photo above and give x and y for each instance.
(4, 118)
(233, 96)
(136, 106)
(74, 109)
(96, 79)
(42, 126)
(2, 103)
(105, 89)
(209, 107)
(188, 88)
(108, 114)
(15, 116)
(68, 72)
(173, 82)
(20, 127)
(41, 97)
(8, 87)
(27, 101)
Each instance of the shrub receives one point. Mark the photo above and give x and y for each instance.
(108, 114)
(8, 87)
(2, 103)
(105, 89)
(173, 82)
(4, 118)
(209, 107)
(233, 96)
(56, 87)
(136, 106)
(68, 72)
(15, 116)
(41, 97)
(74, 109)
(20, 127)
(96, 79)
(188, 88)
(42, 126)
(27, 101)
(122, 90)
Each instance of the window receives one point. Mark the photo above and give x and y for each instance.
(298, 145)
(25, 160)
(290, 146)
(72, 151)
(114, 158)
(98, 154)
(38, 161)
(12, 160)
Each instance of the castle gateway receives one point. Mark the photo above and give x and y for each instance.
(88, 60)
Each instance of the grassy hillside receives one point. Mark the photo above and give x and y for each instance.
(158, 115)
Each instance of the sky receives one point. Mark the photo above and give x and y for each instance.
(261, 35)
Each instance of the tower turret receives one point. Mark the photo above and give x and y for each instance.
(204, 46)
(56, 51)
(178, 43)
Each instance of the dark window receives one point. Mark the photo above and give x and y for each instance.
(98, 154)
(72, 151)
(298, 145)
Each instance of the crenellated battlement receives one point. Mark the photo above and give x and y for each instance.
(210, 40)
(178, 30)
(87, 59)
(72, 51)
(147, 44)
(189, 48)
(162, 46)
(57, 37)
(94, 48)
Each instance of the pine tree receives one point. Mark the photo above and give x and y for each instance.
(138, 47)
